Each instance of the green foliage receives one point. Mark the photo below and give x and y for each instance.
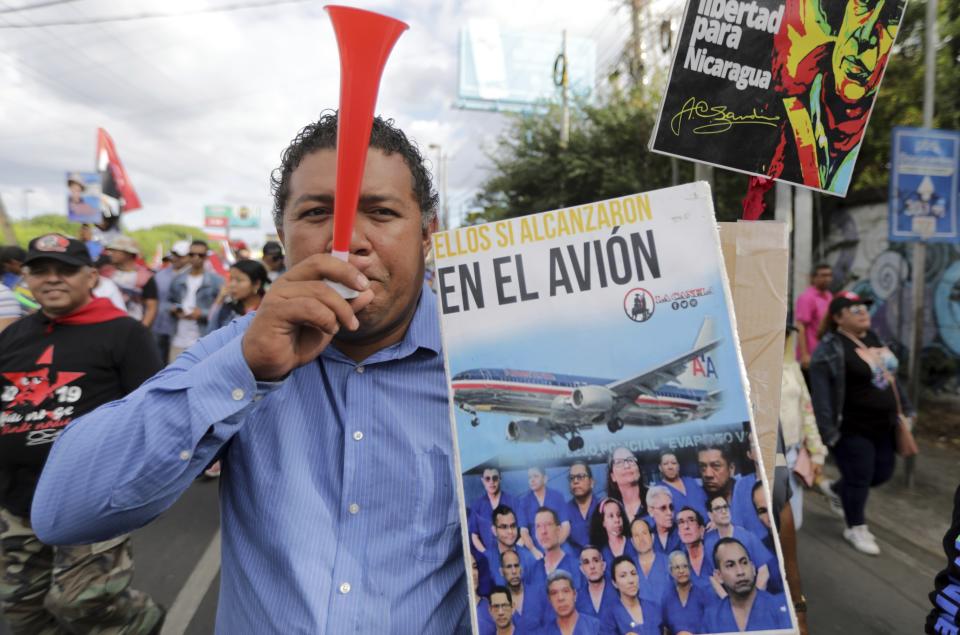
(606, 157)
(147, 239)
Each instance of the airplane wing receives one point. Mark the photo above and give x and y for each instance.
(649, 380)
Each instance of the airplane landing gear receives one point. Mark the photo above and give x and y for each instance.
(575, 443)
(474, 421)
(614, 424)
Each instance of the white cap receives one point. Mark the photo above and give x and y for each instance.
(180, 248)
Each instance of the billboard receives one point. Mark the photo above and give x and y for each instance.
(239, 217)
(506, 70)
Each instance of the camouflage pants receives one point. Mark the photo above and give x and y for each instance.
(49, 590)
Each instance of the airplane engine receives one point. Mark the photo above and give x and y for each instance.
(592, 399)
(527, 430)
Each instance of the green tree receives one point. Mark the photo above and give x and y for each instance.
(147, 239)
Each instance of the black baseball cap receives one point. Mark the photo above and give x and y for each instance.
(272, 248)
(58, 247)
(846, 299)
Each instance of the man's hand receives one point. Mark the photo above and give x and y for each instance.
(804, 361)
(300, 315)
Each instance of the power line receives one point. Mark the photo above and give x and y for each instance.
(39, 5)
(151, 16)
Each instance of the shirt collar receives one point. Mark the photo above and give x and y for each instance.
(423, 332)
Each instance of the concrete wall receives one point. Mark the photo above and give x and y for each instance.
(854, 241)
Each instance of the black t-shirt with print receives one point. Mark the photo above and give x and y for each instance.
(52, 373)
(869, 406)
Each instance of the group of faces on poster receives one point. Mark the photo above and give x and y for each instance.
(661, 555)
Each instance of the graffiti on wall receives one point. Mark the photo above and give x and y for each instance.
(855, 244)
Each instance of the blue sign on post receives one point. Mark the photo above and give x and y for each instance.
(924, 185)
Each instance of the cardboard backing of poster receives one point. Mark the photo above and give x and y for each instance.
(782, 89)
(599, 397)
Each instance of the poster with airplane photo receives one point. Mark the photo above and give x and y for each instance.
(603, 433)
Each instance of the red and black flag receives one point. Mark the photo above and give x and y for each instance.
(115, 182)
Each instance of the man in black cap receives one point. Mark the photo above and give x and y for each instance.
(74, 354)
(273, 259)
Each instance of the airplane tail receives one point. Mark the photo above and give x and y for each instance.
(707, 333)
(701, 372)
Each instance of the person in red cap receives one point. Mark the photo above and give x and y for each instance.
(74, 354)
(857, 402)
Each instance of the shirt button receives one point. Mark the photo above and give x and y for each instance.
(354, 508)
(185, 455)
(357, 436)
(237, 394)
(345, 588)
(360, 369)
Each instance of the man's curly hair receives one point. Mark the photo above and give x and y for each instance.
(322, 135)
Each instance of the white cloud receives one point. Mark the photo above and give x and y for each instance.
(201, 106)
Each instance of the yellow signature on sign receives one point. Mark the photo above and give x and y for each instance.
(718, 119)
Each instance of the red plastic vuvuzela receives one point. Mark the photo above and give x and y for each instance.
(365, 40)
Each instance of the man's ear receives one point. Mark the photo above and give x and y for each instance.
(428, 230)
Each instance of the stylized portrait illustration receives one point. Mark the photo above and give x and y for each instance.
(828, 61)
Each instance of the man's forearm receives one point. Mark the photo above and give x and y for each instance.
(118, 467)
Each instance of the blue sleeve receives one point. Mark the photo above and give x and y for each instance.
(116, 468)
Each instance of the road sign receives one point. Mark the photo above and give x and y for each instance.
(924, 185)
(217, 215)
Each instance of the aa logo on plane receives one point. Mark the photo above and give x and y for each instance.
(639, 304)
(703, 366)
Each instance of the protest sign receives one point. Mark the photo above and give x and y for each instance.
(83, 197)
(602, 337)
(779, 89)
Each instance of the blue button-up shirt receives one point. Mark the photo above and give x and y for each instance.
(338, 500)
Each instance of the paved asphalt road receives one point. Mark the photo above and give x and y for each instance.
(848, 593)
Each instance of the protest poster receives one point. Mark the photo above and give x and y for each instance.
(83, 197)
(778, 89)
(598, 397)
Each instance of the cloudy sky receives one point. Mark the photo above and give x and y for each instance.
(201, 105)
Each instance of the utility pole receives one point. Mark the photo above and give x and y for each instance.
(442, 177)
(636, 43)
(561, 78)
(920, 247)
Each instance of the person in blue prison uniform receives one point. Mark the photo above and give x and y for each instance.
(746, 608)
(481, 510)
(529, 600)
(547, 528)
(608, 530)
(651, 566)
(500, 606)
(718, 473)
(661, 507)
(562, 595)
(684, 603)
(687, 491)
(540, 496)
(775, 582)
(691, 527)
(597, 593)
(581, 504)
(507, 533)
(723, 528)
(631, 613)
(483, 606)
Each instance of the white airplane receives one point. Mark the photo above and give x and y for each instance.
(565, 405)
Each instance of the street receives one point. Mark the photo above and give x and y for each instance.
(848, 593)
